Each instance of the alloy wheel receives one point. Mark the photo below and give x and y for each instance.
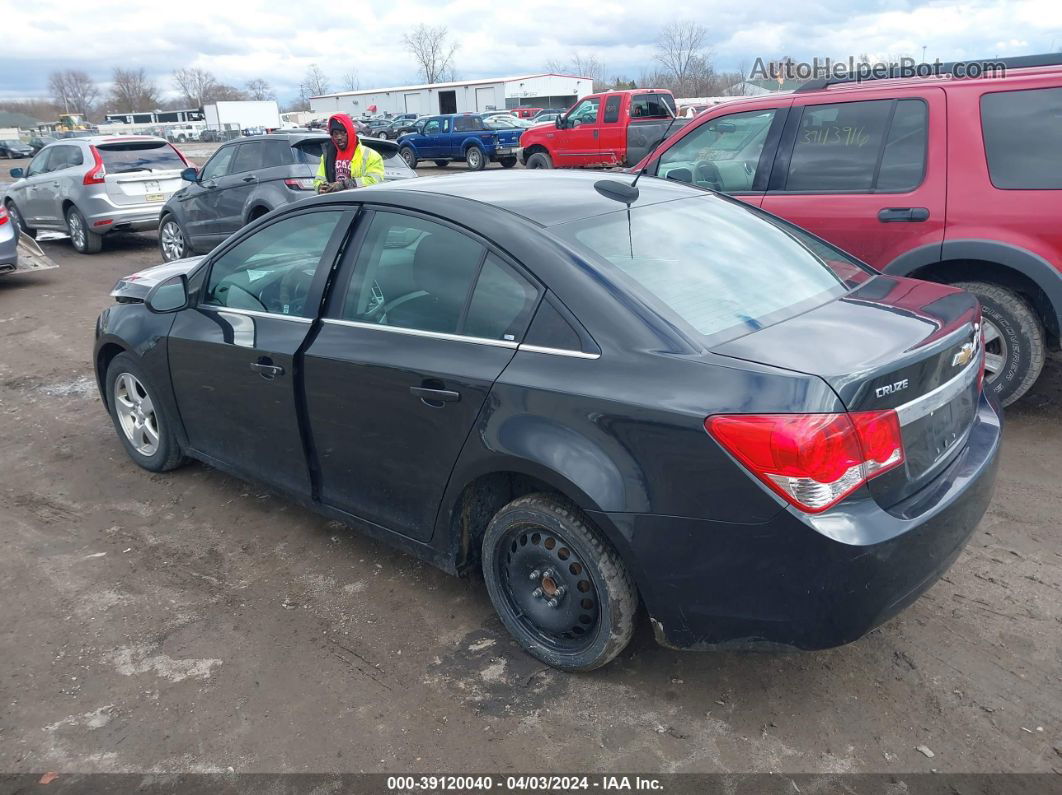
(136, 414)
(995, 351)
(77, 230)
(548, 589)
(172, 241)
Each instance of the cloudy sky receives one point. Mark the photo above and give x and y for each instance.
(238, 41)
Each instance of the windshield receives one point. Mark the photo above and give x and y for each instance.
(720, 267)
(500, 122)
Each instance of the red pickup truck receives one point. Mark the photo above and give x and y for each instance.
(614, 128)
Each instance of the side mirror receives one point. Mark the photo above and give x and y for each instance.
(190, 174)
(17, 173)
(170, 295)
(559, 122)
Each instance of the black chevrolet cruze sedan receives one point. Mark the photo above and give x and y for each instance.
(600, 398)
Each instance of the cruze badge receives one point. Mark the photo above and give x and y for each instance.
(963, 355)
(889, 389)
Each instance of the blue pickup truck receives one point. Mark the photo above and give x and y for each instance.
(462, 136)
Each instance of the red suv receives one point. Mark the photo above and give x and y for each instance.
(945, 179)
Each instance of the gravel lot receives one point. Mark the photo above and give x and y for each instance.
(194, 622)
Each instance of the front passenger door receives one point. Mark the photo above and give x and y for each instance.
(232, 355)
(199, 200)
(419, 327)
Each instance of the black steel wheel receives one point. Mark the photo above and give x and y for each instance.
(557, 584)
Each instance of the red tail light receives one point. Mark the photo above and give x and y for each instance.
(299, 183)
(3, 215)
(97, 174)
(812, 460)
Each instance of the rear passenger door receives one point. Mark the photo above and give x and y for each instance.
(422, 320)
(868, 175)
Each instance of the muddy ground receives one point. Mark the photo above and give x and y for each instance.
(194, 622)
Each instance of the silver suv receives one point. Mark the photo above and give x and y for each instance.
(89, 187)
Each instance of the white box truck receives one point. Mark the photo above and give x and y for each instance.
(242, 115)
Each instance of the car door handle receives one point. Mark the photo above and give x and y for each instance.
(434, 397)
(267, 370)
(891, 214)
(250, 178)
(209, 184)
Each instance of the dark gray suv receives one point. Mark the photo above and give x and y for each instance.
(245, 179)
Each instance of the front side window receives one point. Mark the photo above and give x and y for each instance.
(433, 127)
(1023, 138)
(218, 165)
(585, 112)
(719, 266)
(722, 154)
(271, 271)
(851, 147)
(39, 164)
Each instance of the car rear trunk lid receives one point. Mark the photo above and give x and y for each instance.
(892, 343)
(141, 172)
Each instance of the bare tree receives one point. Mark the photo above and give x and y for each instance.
(73, 90)
(681, 51)
(259, 89)
(433, 54)
(350, 81)
(582, 65)
(132, 90)
(314, 83)
(195, 85)
(223, 92)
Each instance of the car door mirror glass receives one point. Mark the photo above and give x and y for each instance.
(17, 173)
(170, 295)
(190, 174)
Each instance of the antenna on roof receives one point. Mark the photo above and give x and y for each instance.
(621, 191)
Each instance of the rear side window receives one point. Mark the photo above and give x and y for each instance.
(466, 123)
(248, 158)
(652, 106)
(128, 156)
(612, 106)
(65, 157)
(1023, 138)
(275, 153)
(859, 147)
(501, 303)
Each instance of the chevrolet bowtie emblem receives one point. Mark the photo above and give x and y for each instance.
(963, 355)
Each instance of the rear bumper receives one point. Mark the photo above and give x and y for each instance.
(808, 582)
(8, 251)
(123, 217)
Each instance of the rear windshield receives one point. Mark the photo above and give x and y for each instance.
(139, 156)
(722, 268)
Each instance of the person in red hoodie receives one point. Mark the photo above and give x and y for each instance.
(346, 162)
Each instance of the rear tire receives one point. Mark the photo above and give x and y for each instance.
(475, 159)
(557, 584)
(507, 162)
(539, 160)
(84, 239)
(1014, 341)
(441, 163)
(18, 221)
(142, 423)
(409, 156)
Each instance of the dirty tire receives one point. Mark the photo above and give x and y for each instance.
(16, 219)
(85, 241)
(1021, 337)
(169, 454)
(441, 163)
(409, 156)
(525, 527)
(507, 162)
(539, 160)
(475, 159)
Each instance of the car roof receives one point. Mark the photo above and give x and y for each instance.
(544, 197)
(113, 139)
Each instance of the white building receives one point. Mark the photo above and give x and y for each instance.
(464, 96)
